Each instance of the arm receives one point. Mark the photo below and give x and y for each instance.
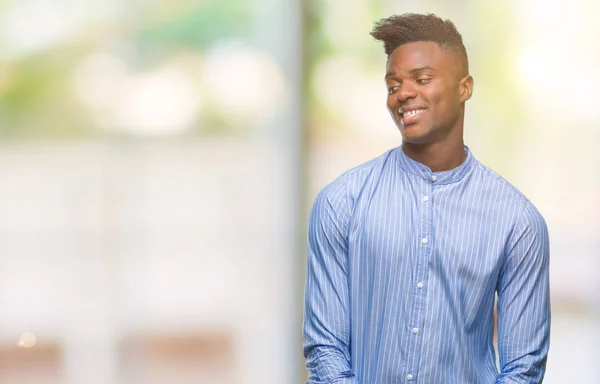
(524, 302)
(326, 325)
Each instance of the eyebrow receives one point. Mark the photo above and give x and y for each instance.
(412, 71)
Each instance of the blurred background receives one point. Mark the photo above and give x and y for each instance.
(158, 160)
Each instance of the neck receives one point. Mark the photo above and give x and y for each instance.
(439, 156)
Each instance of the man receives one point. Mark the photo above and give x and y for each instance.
(408, 251)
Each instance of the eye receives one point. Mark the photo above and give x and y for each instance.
(392, 89)
(423, 80)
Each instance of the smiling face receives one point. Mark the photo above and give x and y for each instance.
(427, 87)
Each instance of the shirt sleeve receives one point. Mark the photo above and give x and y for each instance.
(326, 324)
(524, 302)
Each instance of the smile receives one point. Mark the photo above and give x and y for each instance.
(410, 116)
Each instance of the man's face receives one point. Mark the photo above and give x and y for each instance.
(426, 91)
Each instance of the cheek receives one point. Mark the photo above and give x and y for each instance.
(444, 103)
(391, 104)
(390, 101)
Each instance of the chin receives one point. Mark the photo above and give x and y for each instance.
(415, 141)
(412, 136)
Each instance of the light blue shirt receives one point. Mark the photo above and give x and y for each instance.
(404, 265)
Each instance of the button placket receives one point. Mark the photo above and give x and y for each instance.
(425, 249)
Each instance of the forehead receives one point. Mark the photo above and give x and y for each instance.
(420, 54)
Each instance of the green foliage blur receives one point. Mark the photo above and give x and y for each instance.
(37, 100)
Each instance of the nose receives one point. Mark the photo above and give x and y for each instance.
(406, 91)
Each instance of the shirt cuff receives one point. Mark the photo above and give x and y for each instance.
(341, 380)
(346, 380)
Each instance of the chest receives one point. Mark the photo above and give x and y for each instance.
(451, 231)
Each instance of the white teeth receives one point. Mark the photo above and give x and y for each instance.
(411, 113)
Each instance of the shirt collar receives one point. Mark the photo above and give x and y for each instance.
(443, 177)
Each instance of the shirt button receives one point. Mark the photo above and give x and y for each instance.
(425, 198)
(409, 377)
(424, 240)
(433, 178)
(415, 331)
(420, 285)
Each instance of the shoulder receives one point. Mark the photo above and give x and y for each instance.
(496, 182)
(361, 173)
(506, 195)
(510, 198)
(526, 220)
(353, 179)
(532, 221)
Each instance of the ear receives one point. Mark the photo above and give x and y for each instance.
(466, 88)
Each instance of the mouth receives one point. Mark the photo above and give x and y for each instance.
(410, 116)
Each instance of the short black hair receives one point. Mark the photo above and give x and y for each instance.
(397, 30)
